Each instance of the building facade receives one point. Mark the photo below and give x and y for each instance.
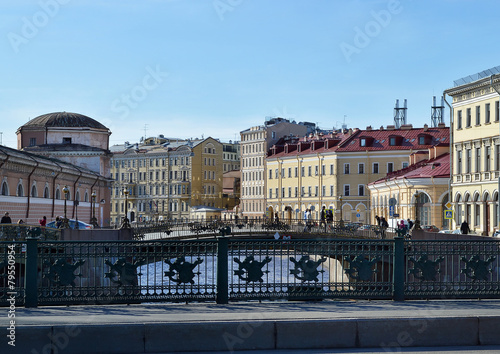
(255, 142)
(334, 170)
(166, 178)
(476, 152)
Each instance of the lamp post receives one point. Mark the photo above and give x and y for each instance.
(65, 224)
(93, 220)
(125, 223)
(341, 215)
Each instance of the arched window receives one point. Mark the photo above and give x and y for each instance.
(458, 216)
(477, 211)
(86, 197)
(467, 208)
(58, 194)
(20, 190)
(424, 209)
(34, 192)
(46, 193)
(77, 196)
(5, 188)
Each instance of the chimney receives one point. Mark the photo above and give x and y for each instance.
(369, 128)
(406, 127)
(426, 127)
(441, 125)
(391, 127)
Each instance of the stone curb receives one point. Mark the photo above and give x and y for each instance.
(387, 334)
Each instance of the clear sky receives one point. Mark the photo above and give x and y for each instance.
(187, 68)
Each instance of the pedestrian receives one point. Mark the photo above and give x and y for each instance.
(6, 219)
(277, 217)
(464, 228)
(410, 224)
(43, 221)
(329, 216)
(383, 225)
(58, 222)
(323, 217)
(378, 219)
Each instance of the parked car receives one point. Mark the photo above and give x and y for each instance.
(72, 222)
(430, 228)
(446, 231)
(458, 232)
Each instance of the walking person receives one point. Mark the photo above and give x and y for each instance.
(43, 221)
(322, 217)
(383, 225)
(464, 228)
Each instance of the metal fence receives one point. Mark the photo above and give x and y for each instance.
(36, 272)
(251, 227)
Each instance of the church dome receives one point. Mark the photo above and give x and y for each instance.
(64, 120)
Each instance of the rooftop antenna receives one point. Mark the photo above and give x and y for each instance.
(145, 131)
(400, 114)
(344, 126)
(437, 112)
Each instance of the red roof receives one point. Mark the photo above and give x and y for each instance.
(374, 140)
(435, 168)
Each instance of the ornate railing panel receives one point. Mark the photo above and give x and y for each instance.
(125, 272)
(12, 260)
(452, 269)
(316, 269)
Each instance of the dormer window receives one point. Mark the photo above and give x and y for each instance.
(392, 141)
(395, 140)
(421, 140)
(362, 142)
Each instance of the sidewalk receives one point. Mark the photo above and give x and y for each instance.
(161, 328)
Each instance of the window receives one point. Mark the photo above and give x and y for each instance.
(296, 172)
(46, 193)
(497, 110)
(487, 159)
(468, 158)
(276, 173)
(469, 118)
(361, 190)
(66, 140)
(405, 164)
(309, 189)
(459, 120)
(375, 167)
(346, 168)
(32, 141)
(478, 115)
(33, 191)
(289, 172)
(5, 190)
(270, 174)
(20, 192)
(331, 191)
(478, 159)
(283, 192)
(289, 192)
(296, 191)
(282, 173)
(323, 170)
(323, 191)
(459, 161)
(390, 167)
(309, 171)
(392, 141)
(302, 171)
(331, 169)
(487, 113)
(316, 170)
(362, 142)
(421, 140)
(316, 191)
(302, 191)
(346, 190)
(276, 192)
(273, 135)
(361, 168)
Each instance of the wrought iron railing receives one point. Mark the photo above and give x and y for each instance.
(36, 272)
(19, 232)
(250, 227)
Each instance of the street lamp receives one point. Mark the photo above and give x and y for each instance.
(125, 223)
(65, 224)
(93, 220)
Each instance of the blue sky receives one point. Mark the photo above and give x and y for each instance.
(187, 68)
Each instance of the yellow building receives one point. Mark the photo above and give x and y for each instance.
(420, 191)
(164, 178)
(475, 152)
(333, 170)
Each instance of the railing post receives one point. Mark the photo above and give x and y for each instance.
(31, 273)
(222, 294)
(398, 269)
